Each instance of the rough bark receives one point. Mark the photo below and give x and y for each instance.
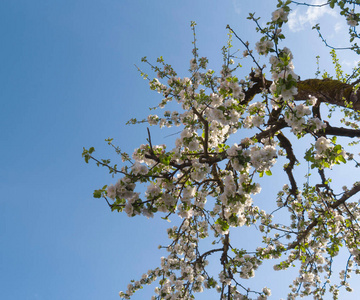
(326, 90)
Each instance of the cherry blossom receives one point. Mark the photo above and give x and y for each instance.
(207, 182)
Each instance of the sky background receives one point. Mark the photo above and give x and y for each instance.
(68, 81)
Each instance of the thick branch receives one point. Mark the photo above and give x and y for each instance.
(326, 90)
(346, 196)
(285, 143)
(341, 131)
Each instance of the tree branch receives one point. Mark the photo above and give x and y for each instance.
(285, 143)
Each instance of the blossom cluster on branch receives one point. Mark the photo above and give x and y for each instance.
(210, 182)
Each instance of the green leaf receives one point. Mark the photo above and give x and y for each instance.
(165, 159)
(337, 148)
(342, 159)
(223, 223)
(98, 193)
(268, 173)
(348, 223)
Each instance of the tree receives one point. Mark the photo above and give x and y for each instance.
(209, 181)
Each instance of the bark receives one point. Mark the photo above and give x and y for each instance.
(326, 90)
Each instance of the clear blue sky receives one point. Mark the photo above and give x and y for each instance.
(68, 81)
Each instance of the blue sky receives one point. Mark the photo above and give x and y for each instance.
(68, 81)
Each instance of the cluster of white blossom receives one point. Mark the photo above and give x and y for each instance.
(262, 158)
(279, 15)
(146, 279)
(284, 78)
(124, 188)
(321, 145)
(263, 47)
(296, 118)
(248, 265)
(352, 19)
(256, 116)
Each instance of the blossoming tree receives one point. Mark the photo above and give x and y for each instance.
(210, 182)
